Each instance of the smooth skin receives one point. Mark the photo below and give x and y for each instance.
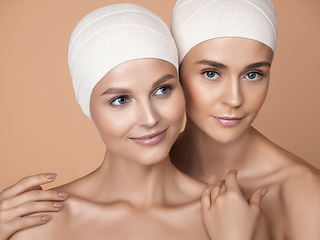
(227, 78)
(227, 215)
(27, 197)
(138, 193)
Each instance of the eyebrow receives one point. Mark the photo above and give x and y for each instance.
(222, 66)
(117, 91)
(162, 80)
(127, 91)
(258, 64)
(212, 63)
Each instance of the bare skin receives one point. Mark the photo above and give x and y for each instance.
(169, 213)
(24, 198)
(227, 214)
(136, 193)
(139, 194)
(210, 147)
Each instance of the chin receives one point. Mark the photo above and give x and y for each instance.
(226, 135)
(153, 157)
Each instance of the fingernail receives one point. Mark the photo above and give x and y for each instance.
(45, 218)
(209, 185)
(51, 175)
(57, 205)
(264, 191)
(63, 194)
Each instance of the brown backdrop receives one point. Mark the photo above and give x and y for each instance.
(43, 128)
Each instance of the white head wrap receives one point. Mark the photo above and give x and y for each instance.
(110, 36)
(195, 21)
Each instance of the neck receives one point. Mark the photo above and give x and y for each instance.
(119, 179)
(208, 160)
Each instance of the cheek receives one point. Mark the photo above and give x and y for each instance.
(112, 125)
(255, 98)
(199, 96)
(174, 108)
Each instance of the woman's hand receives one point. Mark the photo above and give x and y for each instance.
(24, 198)
(227, 214)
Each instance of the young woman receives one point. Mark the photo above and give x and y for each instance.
(225, 50)
(225, 77)
(123, 64)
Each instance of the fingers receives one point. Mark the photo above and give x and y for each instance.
(27, 183)
(210, 193)
(223, 188)
(35, 195)
(38, 187)
(26, 222)
(27, 197)
(206, 197)
(217, 189)
(257, 196)
(231, 181)
(34, 207)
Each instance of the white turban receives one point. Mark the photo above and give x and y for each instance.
(195, 21)
(110, 36)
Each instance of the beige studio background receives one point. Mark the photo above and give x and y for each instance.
(42, 128)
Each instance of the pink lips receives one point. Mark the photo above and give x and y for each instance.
(150, 139)
(227, 121)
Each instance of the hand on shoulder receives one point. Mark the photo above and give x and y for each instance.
(228, 215)
(19, 202)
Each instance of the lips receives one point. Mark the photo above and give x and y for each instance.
(150, 139)
(228, 121)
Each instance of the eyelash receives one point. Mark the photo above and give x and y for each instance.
(260, 77)
(261, 74)
(169, 87)
(118, 97)
(205, 71)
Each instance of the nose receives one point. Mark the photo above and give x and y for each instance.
(147, 115)
(232, 95)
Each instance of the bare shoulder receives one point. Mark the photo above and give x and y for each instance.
(294, 174)
(297, 174)
(60, 222)
(300, 196)
(53, 229)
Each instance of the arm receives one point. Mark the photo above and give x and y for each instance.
(227, 214)
(24, 198)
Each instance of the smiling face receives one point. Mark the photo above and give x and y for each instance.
(225, 81)
(138, 109)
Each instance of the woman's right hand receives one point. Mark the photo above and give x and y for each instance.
(228, 215)
(24, 198)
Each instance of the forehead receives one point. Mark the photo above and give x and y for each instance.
(136, 73)
(230, 49)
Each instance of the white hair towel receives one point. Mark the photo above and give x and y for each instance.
(110, 36)
(195, 21)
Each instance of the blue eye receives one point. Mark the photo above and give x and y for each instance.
(119, 101)
(163, 90)
(211, 75)
(253, 76)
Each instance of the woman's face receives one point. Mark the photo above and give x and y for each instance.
(138, 109)
(225, 81)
